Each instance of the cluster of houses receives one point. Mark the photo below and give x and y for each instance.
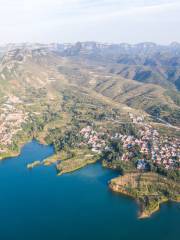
(93, 139)
(11, 119)
(161, 150)
(164, 151)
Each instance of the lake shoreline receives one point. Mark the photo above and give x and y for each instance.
(12, 154)
(148, 203)
(53, 160)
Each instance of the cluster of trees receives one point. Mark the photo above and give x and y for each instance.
(114, 152)
(171, 173)
(34, 125)
(37, 123)
(172, 116)
(135, 152)
(129, 129)
(65, 140)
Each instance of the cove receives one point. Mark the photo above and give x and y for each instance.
(36, 204)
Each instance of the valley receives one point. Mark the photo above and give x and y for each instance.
(95, 102)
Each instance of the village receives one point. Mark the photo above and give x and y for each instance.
(93, 139)
(11, 119)
(160, 150)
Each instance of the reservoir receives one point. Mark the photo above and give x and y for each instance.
(36, 204)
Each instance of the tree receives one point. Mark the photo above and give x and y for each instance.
(115, 151)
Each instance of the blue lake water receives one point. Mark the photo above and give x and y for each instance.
(36, 204)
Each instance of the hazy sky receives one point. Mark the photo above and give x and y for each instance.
(80, 20)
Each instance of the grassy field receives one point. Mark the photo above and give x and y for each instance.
(68, 161)
(81, 158)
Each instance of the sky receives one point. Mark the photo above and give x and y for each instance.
(112, 21)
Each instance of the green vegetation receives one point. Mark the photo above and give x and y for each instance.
(78, 159)
(175, 96)
(52, 97)
(150, 189)
(166, 113)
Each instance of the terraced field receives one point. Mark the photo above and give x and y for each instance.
(150, 189)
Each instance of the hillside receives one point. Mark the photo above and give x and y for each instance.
(66, 96)
(144, 76)
(90, 65)
(35, 77)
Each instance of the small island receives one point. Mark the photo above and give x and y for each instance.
(33, 164)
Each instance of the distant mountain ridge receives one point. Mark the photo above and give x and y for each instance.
(91, 46)
(143, 76)
(144, 62)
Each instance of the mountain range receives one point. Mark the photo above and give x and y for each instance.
(143, 76)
